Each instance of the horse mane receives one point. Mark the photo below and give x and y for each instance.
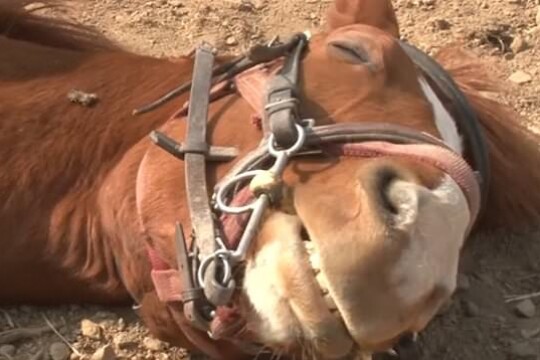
(514, 201)
(19, 22)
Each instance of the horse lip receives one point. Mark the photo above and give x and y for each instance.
(339, 330)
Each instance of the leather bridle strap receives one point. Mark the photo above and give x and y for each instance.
(466, 118)
(338, 133)
(282, 101)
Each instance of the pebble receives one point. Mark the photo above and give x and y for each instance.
(59, 351)
(231, 41)
(470, 308)
(104, 353)
(441, 24)
(258, 4)
(121, 324)
(122, 341)
(8, 350)
(246, 5)
(530, 333)
(153, 344)
(175, 3)
(90, 329)
(519, 44)
(523, 350)
(526, 308)
(520, 77)
(34, 6)
(538, 16)
(463, 282)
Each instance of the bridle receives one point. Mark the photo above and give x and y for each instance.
(225, 223)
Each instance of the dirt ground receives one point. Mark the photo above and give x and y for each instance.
(478, 324)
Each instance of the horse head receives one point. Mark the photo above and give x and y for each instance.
(364, 243)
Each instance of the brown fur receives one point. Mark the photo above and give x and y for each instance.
(68, 219)
(18, 23)
(514, 150)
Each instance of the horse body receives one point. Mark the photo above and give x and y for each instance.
(83, 190)
(59, 157)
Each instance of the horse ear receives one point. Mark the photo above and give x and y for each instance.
(377, 13)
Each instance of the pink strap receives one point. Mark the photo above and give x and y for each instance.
(443, 159)
(168, 285)
(167, 281)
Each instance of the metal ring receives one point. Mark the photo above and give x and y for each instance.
(222, 255)
(293, 149)
(222, 191)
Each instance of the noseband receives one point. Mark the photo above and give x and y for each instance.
(225, 224)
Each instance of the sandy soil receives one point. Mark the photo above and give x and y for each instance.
(478, 324)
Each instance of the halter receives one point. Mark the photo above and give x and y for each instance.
(225, 224)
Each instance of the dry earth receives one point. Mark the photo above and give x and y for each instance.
(478, 324)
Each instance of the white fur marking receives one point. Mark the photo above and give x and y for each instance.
(445, 123)
(438, 234)
(262, 286)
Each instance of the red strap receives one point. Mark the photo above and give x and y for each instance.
(157, 261)
(167, 281)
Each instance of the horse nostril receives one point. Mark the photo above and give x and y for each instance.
(385, 176)
(394, 190)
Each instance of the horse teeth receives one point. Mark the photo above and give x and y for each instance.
(330, 302)
(323, 282)
(315, 260)
(310, 247)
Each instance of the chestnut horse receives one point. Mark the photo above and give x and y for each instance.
(361, 250)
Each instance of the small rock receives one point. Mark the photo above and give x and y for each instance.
(121, 324)
(8, 350)
(153, 344)
(246, 5)
(90, 329)
(523, 350)
(122, 341)
(526, 308)
(258, 4)
(104, 353)
(441, 24)
(538, 16)
(231, 41)
(520, 77)
(34, 6)
(519, 44)
(175, 3)
(530, 333)
(463, 282)
(59, 351)
(470, 308)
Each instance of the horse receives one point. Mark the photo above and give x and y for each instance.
(366, 207)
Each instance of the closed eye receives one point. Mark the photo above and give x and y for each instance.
(350, 52)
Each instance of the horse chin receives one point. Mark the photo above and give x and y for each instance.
(294, 305)
(288, 292)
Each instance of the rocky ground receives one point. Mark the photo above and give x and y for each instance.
(480, 323)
